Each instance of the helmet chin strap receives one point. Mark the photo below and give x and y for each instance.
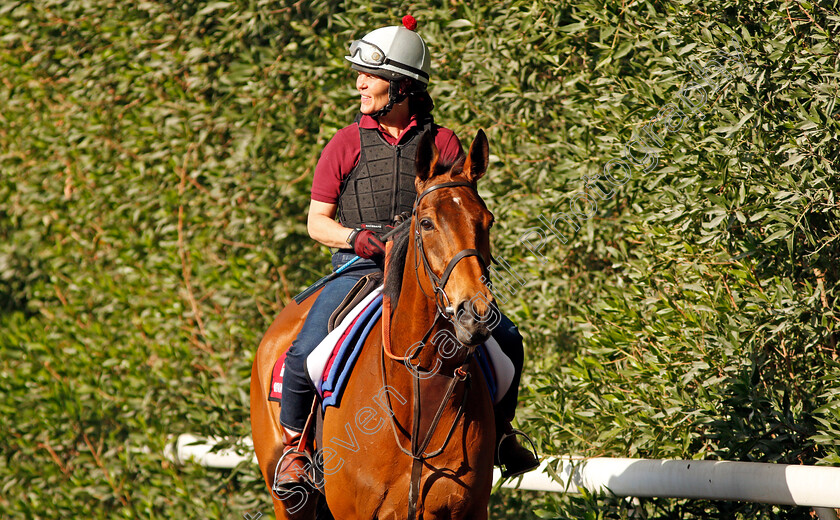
(394, 97)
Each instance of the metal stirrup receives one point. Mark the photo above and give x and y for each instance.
(514, 433)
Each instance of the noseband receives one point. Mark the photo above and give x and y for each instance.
(444, 306)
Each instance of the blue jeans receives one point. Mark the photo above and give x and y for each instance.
(296, 400)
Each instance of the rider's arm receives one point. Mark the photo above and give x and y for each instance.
(322, 226)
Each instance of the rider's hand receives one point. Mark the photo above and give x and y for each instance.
(379, 230)
(365, 243)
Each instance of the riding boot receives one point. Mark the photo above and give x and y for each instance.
(511, 457)
(293, 465)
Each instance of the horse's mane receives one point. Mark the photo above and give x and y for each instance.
(399, 252)
(396, 267)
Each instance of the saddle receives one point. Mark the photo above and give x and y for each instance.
(366, 285)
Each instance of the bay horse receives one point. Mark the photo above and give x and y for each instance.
(414, 433)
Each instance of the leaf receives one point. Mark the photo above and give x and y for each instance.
(623, 49)
(776, 235)
(573, 27)
(214, 6)
(793, 159)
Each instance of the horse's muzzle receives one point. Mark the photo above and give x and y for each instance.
(473, 328)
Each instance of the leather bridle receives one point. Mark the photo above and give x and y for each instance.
(419, 443)
(442, 301)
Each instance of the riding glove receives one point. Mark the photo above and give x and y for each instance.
(365, 243)
(380, 230)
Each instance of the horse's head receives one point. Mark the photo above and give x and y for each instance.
(452, 236)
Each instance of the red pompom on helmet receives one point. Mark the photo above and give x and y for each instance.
(409, 22)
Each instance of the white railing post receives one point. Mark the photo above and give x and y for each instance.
(784, 484)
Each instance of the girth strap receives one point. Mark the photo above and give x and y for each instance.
(414, 487)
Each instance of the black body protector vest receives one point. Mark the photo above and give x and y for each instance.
(381, 186)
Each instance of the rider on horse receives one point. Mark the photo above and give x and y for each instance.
(365, 176)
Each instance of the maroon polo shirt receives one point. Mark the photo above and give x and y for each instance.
(341, 155)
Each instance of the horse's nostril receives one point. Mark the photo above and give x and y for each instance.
(472, 337)
(468, 314)
(471, 328)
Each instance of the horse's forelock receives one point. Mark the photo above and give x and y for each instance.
(449, 168)
(453, 167)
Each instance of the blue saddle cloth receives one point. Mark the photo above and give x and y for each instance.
(341, 363)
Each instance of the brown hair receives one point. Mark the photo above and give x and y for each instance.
(420, 103)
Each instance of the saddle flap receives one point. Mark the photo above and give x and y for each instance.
(363, 287)
(317, 360)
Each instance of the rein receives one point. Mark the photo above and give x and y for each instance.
(417, 452)
(418, 448)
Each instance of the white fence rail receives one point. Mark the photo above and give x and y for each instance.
(783, 484)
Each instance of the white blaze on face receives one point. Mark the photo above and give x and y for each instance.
(456, 200)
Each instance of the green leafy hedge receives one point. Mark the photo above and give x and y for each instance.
(156, 162)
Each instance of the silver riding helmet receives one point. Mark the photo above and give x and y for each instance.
(393, 53)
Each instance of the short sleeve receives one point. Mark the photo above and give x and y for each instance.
(337, 160)
(448, 144)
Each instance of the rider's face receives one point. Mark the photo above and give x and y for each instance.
(373, 91)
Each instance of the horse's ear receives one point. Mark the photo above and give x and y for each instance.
(477, 158)
(427, 158)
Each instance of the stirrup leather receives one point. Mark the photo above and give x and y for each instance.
(514, 433)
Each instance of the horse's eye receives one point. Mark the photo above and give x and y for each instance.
(427, 225)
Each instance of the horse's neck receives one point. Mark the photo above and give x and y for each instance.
(414, 317)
